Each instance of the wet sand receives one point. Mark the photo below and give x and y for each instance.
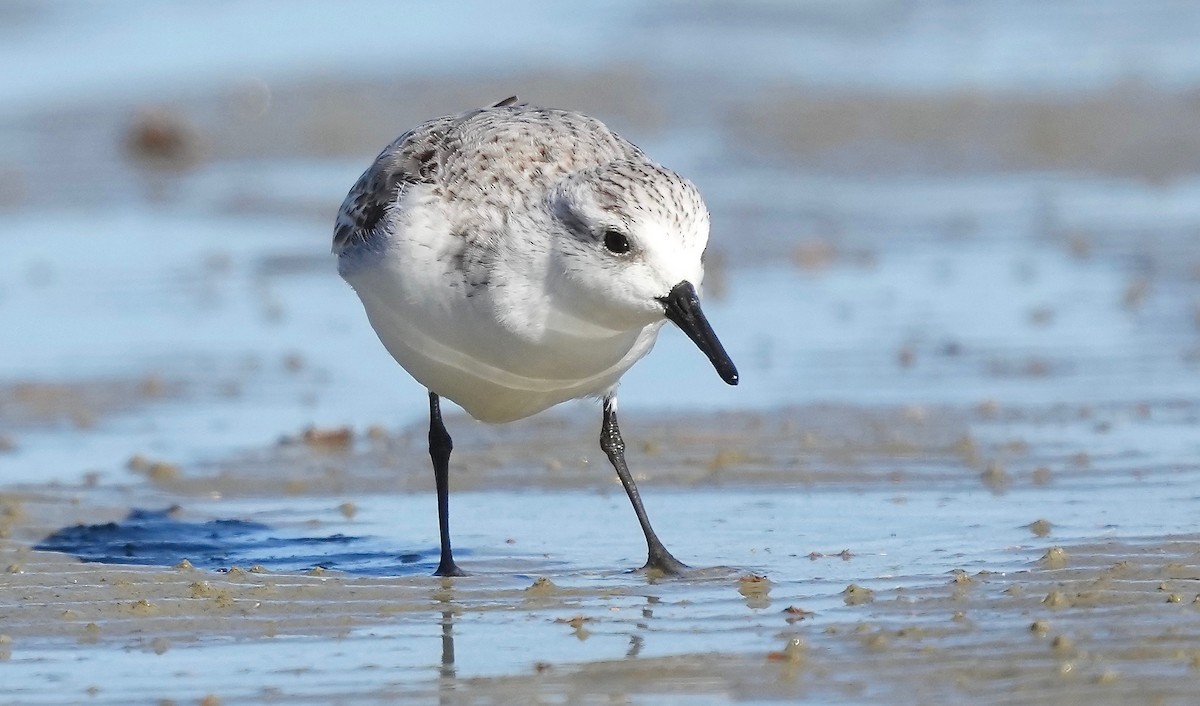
(962, 464)
(1029, 614)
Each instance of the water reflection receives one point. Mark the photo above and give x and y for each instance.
(447, 675)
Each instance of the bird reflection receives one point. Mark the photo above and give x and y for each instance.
(635, 646)
(447, 675)
(636, 641)
(447, 670)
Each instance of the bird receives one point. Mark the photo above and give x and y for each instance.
(513, 257)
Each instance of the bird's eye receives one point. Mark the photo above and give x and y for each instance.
(616, 241)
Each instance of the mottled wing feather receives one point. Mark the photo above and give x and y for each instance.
(410, 159)
(413, 158)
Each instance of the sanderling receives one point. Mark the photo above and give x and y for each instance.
(514, 257)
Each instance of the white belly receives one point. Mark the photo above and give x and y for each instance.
(456, 346)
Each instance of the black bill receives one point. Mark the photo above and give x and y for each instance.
(683, 308)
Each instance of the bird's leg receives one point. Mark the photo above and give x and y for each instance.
(440, 446)
(659, 558)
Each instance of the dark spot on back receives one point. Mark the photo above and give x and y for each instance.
(372, 214)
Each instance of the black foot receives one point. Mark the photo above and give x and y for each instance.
(449, 569)
(661, 563)
(440, 446)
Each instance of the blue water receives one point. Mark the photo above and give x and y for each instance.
(158, 306)
(83, 50)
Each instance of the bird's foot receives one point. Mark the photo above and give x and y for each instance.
(660, 564)
(449, 568)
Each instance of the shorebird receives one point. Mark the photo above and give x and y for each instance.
(514, 257)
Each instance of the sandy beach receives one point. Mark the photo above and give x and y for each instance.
(955, 258)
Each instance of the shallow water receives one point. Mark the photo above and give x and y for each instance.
(962, 290)
(391, 634)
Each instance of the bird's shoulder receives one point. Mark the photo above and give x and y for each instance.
(471, 152)
(409, 160)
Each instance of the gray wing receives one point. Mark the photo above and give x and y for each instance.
(413, 158)
(410, 160)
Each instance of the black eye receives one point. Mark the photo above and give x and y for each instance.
(616, 241)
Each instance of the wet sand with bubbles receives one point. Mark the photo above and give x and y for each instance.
(853, 554)
(962, 464)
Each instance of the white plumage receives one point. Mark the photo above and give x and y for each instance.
(514, 257)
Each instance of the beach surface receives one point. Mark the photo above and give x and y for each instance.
(955, 255)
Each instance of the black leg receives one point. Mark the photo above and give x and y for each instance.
(440, 447)
(659, 558)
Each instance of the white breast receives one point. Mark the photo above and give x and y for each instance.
(463, 349)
